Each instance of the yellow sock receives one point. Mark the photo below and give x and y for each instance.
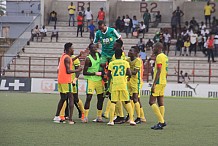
(162, 110)
(157, 113)
(112, 110)
(130, 111)
(137, 108)
(142, 115)
(119, 109)
(62, 112)
(133, 106)
(99, 113)
(81, 106)
(86, 113)
(107, 110)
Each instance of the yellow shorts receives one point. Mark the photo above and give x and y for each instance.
(96, 86)
(159, 90)
(133, 88)
(75, 88)
(65, 88)
(120, 95)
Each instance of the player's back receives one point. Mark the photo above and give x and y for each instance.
(118, 69)
(163, 60)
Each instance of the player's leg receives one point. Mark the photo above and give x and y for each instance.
(63, 98)
(137, 107)
(142, 115)
(156, 110)
(119, 113)
(100, 100)
(71, 106)
(89, 92)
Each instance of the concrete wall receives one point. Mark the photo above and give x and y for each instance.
(196, 9)
(15, 7)
(61, 8)
(138, 8)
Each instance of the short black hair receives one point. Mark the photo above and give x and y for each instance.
(118, 53)
(90, 46)
(119, 41)
(101, 22)
(67, 46)
(136, 49)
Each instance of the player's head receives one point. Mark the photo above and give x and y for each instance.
(157, 48)
(102, 26)
(92, 48)
(118, 44)
(133, 52)
(118, 53)
(68, 48)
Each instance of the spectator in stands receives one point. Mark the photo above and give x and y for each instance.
(204, 51)
(35, 33)
(123, 23)
(141, 44)
(142, 55)
(147, 19)
(71, 10)
(157, 19)
(149, 45)
(84, 15)
(181, 76)
(79, 24)
(43, 32)
(92, 29)
(142, 29)
(89, 16)
(178, 13)
(216, 45)
(214, 21)
(52, 17)
(130, 24)
(126, 27)
(101, 15)
(210, 47)
(118, 24)
(54, 33)
(167, 41)
(135, 26)
(207, 13)
(174, 25)
(179, 45)
(200, 41)
(202, 26)
(204, 31)
(194, 24)
(186, 47)
(193, 41)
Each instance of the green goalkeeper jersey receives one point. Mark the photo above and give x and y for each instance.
(107, 40)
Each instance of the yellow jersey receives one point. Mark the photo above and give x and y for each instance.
(75, 63)
(187, 44)
(123, 57)
(118, 69)
(135, 64)
(163, 60)
(71, 9)
(207, 10)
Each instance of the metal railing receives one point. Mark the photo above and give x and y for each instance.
(46, 67)
(19, 43)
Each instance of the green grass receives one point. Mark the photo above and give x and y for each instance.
(26, 119)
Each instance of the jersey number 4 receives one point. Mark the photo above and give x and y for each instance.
(119, 70)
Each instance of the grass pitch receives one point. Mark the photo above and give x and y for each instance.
(26, 119)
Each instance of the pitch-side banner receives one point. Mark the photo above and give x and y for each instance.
(179, 90)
